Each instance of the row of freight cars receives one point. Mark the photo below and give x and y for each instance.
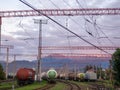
(27, 76)
(52, 75)
(88, 76)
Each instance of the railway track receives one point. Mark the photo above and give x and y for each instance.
(98, 87)
(8, 87)
(9, 80)
(46, 87)
(70, 85)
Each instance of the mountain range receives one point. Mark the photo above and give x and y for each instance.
(58, 62)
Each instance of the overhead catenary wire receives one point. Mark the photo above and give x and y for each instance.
(99, 28)
(68, 16)
(107, 37)
(91, 21)
(25, 39)
(108, 27)
(63, 34)
(86, 20)
(20, 24)
(53, 3)
(29, 5)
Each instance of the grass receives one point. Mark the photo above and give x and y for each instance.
(7, 85)
(59, 86)
(33, 86)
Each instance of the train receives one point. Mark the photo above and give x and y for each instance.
(25, 76)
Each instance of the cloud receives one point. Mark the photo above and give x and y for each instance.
(23, 32)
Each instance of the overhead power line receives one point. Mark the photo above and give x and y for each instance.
(29, 5)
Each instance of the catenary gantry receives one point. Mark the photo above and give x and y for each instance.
(61, 12)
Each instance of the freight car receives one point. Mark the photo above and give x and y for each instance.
(80, 77)
(25, 76)
(71, 76)
(90, 76)
(51, 75)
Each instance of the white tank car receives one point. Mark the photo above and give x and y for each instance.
(91, 76)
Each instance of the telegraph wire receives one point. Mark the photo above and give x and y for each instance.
(29, 5)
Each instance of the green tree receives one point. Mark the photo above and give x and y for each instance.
(116, 67)
(2, 74)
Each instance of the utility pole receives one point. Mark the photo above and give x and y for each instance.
(75, 72)
(40, 22)
(7, 55)
(100, 77)
(7, 59)
(14, 67)
(110, 70)
(0, 32)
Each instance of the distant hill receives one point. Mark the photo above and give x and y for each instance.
(57, 62)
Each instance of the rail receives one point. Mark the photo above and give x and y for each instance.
(71, 86)
(46, 87)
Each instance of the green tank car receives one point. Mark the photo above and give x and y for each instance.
(51, 74)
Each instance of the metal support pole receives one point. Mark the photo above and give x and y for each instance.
(14, 67)
(7, 59)
(40, 22)
(0, 32)
(39, 50)
(75, 72)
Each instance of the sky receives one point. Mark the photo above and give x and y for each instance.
(22, 32)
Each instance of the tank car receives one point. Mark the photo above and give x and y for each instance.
(90, 76)
(61, 76)
(51, 75)
(25, 76)
(44, 76)
(81, 76)
(71, 76)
